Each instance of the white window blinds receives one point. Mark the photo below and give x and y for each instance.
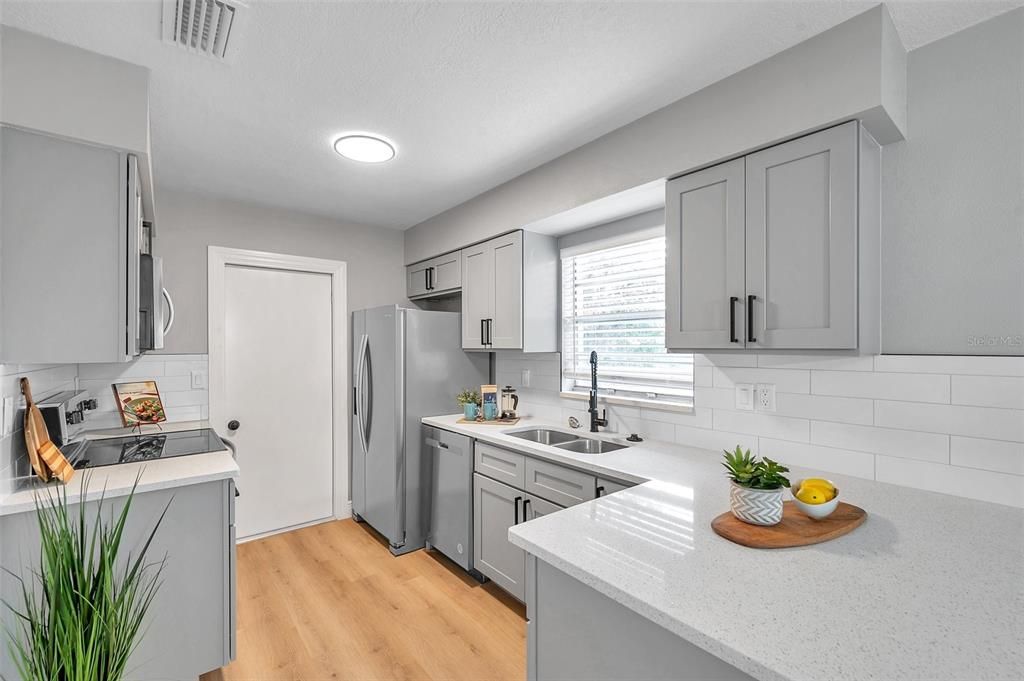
(613, 301)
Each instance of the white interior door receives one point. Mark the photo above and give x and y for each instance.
(278, 386)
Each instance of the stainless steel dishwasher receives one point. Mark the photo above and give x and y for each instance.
(450, 529)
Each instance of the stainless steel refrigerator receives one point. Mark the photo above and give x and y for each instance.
(407, 364)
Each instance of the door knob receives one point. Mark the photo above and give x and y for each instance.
(233, 424)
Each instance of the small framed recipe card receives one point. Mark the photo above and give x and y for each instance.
(139, 403)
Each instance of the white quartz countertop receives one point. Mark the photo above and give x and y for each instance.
(117, 480)
(930, 587)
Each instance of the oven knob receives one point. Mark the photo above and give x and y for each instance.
(233, 424)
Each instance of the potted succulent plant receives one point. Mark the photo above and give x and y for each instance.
(755, 495)
(469, 400)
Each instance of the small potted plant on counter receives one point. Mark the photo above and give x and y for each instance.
(755, 495)
(470, 402)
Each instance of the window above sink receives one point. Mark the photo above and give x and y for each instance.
(613, 301)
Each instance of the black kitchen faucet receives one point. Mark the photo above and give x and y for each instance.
(595, 421)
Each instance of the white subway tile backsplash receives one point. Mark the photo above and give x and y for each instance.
(715, 398)
(764, 425)
(821, 362)
(911, 387)
(714, 439)
(173, 376)
(889, 441)
(984, 422)
(966, 482)
(951, 424)
(822, 408)
(815, 457)
(726, 359)
(118, 373)
(700, 417)
(785, 380)
(991, 455)
(703, 376)
(936, 364)
(989, 391)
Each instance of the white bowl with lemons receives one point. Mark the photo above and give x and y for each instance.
(816, 498)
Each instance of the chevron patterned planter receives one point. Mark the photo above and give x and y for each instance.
(756, 506)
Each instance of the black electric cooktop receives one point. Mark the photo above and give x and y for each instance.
(133, 448)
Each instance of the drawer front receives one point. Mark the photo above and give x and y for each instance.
(606, 487)
(500, 464)
(563, 486)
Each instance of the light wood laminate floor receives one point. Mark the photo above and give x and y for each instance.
(330, 602)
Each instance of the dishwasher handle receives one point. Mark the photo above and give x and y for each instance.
(431, 442)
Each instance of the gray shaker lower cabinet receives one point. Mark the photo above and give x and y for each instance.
(575, 632)
(496, 508)
(190, 627)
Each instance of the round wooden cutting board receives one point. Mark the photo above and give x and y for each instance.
(796, 529)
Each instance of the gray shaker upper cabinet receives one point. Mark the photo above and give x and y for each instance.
(70, 217)
(779, 249)
(510, 294)
(704, 245)
(801, 242)
(440, 276)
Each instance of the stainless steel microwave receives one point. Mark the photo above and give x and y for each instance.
(156, 309)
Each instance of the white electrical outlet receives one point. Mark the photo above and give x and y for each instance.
(198, 379)
(524, 379)
(764, 398)
(745, 396)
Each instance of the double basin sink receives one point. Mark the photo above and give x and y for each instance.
(567, 441)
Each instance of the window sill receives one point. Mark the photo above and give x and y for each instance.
(631, 402)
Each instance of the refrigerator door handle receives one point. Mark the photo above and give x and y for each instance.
(368, 396)
(360, 408)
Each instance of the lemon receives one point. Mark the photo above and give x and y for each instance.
(829, 494)
(819, 482)
(812, 494)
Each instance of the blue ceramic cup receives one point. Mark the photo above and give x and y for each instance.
(469, 411)
(490, 411)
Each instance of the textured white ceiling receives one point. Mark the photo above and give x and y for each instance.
(474, 93)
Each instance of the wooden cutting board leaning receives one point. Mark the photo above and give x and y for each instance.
(46, 457)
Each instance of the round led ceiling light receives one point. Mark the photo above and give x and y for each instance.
(365, 147)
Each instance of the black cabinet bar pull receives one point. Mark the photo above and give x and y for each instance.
(515, 502)
(483, 338)
(600, 490)
(526, 503)
(750, 319)
(431, 271)
(355, 401)
(732, 319)
(490, 339)
(426, 279)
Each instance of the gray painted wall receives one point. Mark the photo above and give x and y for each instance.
(189, 223)
(953, 197)
(854, 70)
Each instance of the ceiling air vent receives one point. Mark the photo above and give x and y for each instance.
(206, 27)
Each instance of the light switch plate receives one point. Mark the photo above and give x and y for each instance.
(198, 379)
(524, 379)
(745, 396)
(8, 415)
(764, 397)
